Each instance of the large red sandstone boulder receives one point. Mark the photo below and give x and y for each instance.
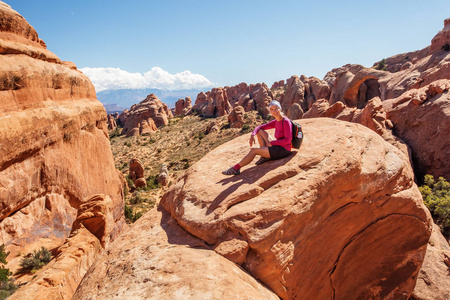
(55, 146)
(136, 169)
(157, 259)
(315, 219)
(146, 116)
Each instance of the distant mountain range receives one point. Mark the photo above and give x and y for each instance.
(119, 100)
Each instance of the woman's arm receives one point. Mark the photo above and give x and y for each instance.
(268, 125)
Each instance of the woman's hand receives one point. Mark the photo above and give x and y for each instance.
(252, 140)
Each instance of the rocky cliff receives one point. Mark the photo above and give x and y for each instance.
(55, 157)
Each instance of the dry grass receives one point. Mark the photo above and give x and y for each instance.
(179, 145)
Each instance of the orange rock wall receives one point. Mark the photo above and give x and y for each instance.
(54, 144)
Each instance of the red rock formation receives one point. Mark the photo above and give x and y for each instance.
(442, 40)
(236, 92)
(402, 92)
(90, 234)
(183, 106)
(112, 121)
(55, 147)
(261, 97)
(295, 112)
(277, 85)
(295, 93)
(236, 117)
(157, 259)
(403, 61)
(312, 221)
(213, 103)
(213, 126)
(136, 169)
(123, 117)
(433, 281)
(140, 183)
(421, 118)
(146, 116)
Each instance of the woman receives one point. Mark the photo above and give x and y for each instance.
(268, 148)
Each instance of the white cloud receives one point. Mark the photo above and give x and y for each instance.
(115, 78)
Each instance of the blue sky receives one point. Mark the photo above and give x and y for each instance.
(183, 43)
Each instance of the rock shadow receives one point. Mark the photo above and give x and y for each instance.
(176, 234)
(248, 176)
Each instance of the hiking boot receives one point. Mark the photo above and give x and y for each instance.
(261, 160)
(231, 171)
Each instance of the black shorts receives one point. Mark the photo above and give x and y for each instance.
(278, 152)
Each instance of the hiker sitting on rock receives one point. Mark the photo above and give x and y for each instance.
(268, 147)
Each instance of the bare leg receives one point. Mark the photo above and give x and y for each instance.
(262, 151)
(263, 138)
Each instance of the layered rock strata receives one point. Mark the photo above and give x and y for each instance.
(305, 224)
(55, 147)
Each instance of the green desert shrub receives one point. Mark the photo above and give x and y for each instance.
(7, 286)
(130, 215)
(152, 182)
(130, 182)
(136, 198)
(436, 196)
(3, 254)
(35, 260)
(246, 128)
(115, 132)
(382, 65)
